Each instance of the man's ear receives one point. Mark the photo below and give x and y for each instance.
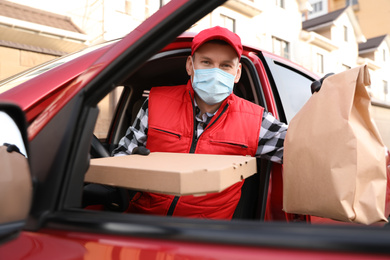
(189, 66)
(238, 76)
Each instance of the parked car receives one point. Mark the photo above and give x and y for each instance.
(68, 102)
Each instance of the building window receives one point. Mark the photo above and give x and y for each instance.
(384, 54)
(345, 33)
(281, 47)
(320, 63)
(317, 7)
(280, 3)
(228, 23)
(385, 89)
(351, 2)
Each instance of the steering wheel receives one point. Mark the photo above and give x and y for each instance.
(97, 149)
(112, 198)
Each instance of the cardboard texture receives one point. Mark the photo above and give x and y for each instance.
(172, 173)
(334, 158)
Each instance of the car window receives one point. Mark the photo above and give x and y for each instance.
(107, 106)
(249, 86)
(293, 87)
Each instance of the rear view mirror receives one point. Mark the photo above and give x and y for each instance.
(15, 177)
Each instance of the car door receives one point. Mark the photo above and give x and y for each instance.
(288, 87)
(62, 133)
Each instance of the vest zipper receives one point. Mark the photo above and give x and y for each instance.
(223, 111)
(173, 205)
(193, 148)
(194, 137)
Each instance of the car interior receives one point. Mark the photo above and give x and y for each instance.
(168, 69)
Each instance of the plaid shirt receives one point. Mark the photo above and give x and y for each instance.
(272, 134)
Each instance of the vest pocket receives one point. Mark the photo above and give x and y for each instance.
(230, 144)
(229, 148)
(165, 132)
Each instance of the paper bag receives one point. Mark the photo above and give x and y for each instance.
(334, 158)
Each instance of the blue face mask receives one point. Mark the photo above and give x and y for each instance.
(212, 85)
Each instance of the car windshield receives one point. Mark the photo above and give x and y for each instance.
(22, 77)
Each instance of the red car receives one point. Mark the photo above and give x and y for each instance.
(60, 101)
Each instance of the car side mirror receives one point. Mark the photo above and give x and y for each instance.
(15, 177)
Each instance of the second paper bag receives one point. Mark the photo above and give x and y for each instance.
(334, 159)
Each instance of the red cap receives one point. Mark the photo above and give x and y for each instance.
(217, 33)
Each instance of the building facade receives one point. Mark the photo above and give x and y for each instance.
(373, 16)
(29, 37)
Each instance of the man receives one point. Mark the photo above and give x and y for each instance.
(203, 117)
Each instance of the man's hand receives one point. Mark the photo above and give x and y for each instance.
(142, 150)
(316, 85)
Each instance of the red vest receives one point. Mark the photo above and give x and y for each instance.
(233, 130)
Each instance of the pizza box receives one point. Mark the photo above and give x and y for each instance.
(172, 173)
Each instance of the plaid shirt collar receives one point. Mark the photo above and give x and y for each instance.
(206, 117)
(202, 121)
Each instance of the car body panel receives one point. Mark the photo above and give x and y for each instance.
(88, 246)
